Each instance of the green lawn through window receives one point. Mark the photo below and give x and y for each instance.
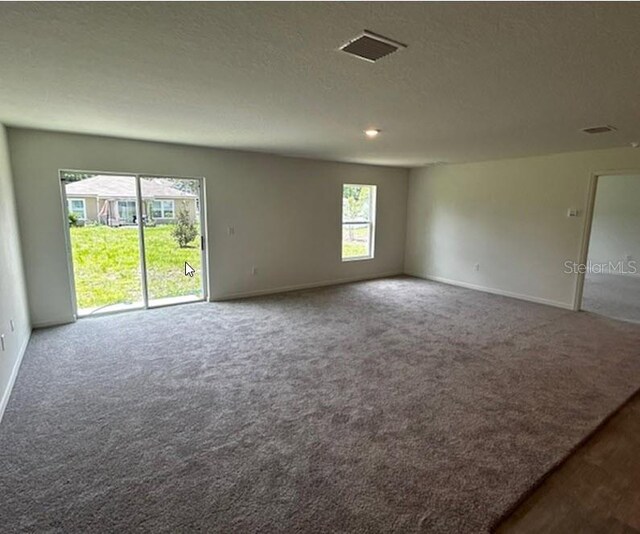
(106, 264)
(355, 241)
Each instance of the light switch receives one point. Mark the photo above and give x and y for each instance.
(2, 341)
(573, 212)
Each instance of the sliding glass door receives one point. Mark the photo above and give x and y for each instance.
(103, 241)
(172, 236)
(134, 241)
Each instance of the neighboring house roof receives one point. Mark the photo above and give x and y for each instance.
(106, 186)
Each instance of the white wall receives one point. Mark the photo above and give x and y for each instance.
(13, 298)
(286, 213)
(509, 216)
(615, 233)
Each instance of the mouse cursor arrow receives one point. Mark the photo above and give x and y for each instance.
(188, 270)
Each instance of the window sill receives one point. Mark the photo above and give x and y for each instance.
(358, 258)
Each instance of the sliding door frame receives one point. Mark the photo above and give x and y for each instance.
(141, 248)
(204, 266)
(588, 226)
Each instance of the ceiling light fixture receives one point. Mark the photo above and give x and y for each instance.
(371, 132)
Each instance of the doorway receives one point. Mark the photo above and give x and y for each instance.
(134, 241)
(611, 281)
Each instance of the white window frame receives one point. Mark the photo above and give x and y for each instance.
(371, 222)
(162, 208)
(70, 202)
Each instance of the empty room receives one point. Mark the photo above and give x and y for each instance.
(324, 267)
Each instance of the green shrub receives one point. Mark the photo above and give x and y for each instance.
(185, 230)
(73, 219)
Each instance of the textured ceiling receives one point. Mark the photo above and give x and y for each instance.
(478, 81)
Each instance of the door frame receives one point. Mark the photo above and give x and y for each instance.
(204, 241)
(588, 226)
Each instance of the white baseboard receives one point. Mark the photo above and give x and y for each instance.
(286, 289)
(520, 296)
(14, 374)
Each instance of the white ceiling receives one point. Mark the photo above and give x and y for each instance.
(478, 81)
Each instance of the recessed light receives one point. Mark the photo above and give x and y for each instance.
(371, 132)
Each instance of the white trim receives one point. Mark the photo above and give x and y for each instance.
(14, 374)
(311, 285)
(493, 291)
(578, 289)
(357, 258)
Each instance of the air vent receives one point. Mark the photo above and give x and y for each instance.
(371, 46)
(599, 129)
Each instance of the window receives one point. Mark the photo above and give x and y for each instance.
(358, 221)
(162, 209)
(78, 207)
(127, 211)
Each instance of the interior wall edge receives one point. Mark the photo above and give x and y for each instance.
(15, 322)
(6, 394)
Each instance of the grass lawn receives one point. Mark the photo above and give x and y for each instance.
(355, 242)
(106, 264)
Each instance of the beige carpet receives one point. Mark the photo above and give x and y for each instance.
(395, 405)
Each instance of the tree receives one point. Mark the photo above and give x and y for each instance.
(355, 202)
(355, 199)
(185, 230)
(73, 176)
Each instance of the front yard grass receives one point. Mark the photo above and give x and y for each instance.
(106, 264)
(355, 242)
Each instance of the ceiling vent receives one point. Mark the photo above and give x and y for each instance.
(371, 46)
(598, 129)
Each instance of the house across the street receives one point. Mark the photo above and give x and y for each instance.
(111, 200)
